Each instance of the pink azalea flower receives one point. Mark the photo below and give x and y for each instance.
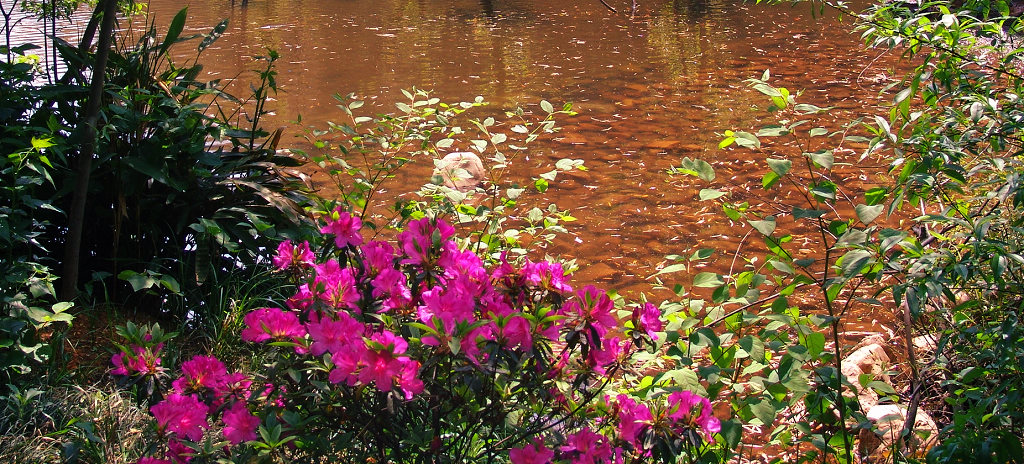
(183, 415)
(448, 306)
(303, 298)
(517, 332)
(347, 363)
(334, 335)
(143, 361)
(178, 453)
(633, 418)
(647, 319)
(232, 386)
(345, 229)
(409, 382)
(417, 240)
(239, 424)
(610, 351)
(693, 410)
(120, 367)
(338, 286)
(504, 272)
(272, 324)
(534, 453)
(377, 256)
(508, 329)
(382, 364)
(199, 373)
(292, 256)
(391, 283)
(547, 275)
(465, 266)
(593, 307)
(587, 447)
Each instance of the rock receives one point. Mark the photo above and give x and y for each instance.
(926, 344)
(868, 359)
(876, 445)
(461, 170)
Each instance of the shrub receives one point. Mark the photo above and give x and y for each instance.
(419, 351)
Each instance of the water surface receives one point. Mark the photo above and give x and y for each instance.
(651, 86)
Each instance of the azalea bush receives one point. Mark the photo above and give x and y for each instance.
(420, 351)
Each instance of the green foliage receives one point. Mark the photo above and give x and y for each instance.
(364, 153)
(951, 139)
(28, 310)
(183, 171)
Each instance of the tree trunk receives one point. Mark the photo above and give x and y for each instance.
(76, 216)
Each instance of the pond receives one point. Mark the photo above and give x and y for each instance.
(652, 85)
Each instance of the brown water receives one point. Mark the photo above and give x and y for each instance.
(651, 87)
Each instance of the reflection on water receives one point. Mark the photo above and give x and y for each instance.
(650, 87)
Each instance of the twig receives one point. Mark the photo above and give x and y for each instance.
(606, 5)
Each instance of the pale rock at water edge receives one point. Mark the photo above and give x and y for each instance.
(461, 170)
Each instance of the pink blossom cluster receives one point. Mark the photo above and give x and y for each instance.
(690, 410)
(292, 256)
(635, 421)
(369, 316)
(141, 361)
(204, 391)
(466, 307)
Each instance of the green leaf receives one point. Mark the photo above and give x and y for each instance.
(772, 131)
(710, 194)
(215, 34)
(853, 262)
(672, 268)
(781, 266)
(177, 25)
(546, 106)
(881, 387)
(800, 213)
(769, 180)
(866, 213)
(822, 158)
(747, 140)
(804, 262)
(902, 95)
(818, 131)
(765, 227)
(815, 343)
(779, 166)
(763, 411)
(137, 281)
(170, 283)
(41, 143)
(874, 196)
(807, 108)
(707, 280)
(703, 253)
(697, 167)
